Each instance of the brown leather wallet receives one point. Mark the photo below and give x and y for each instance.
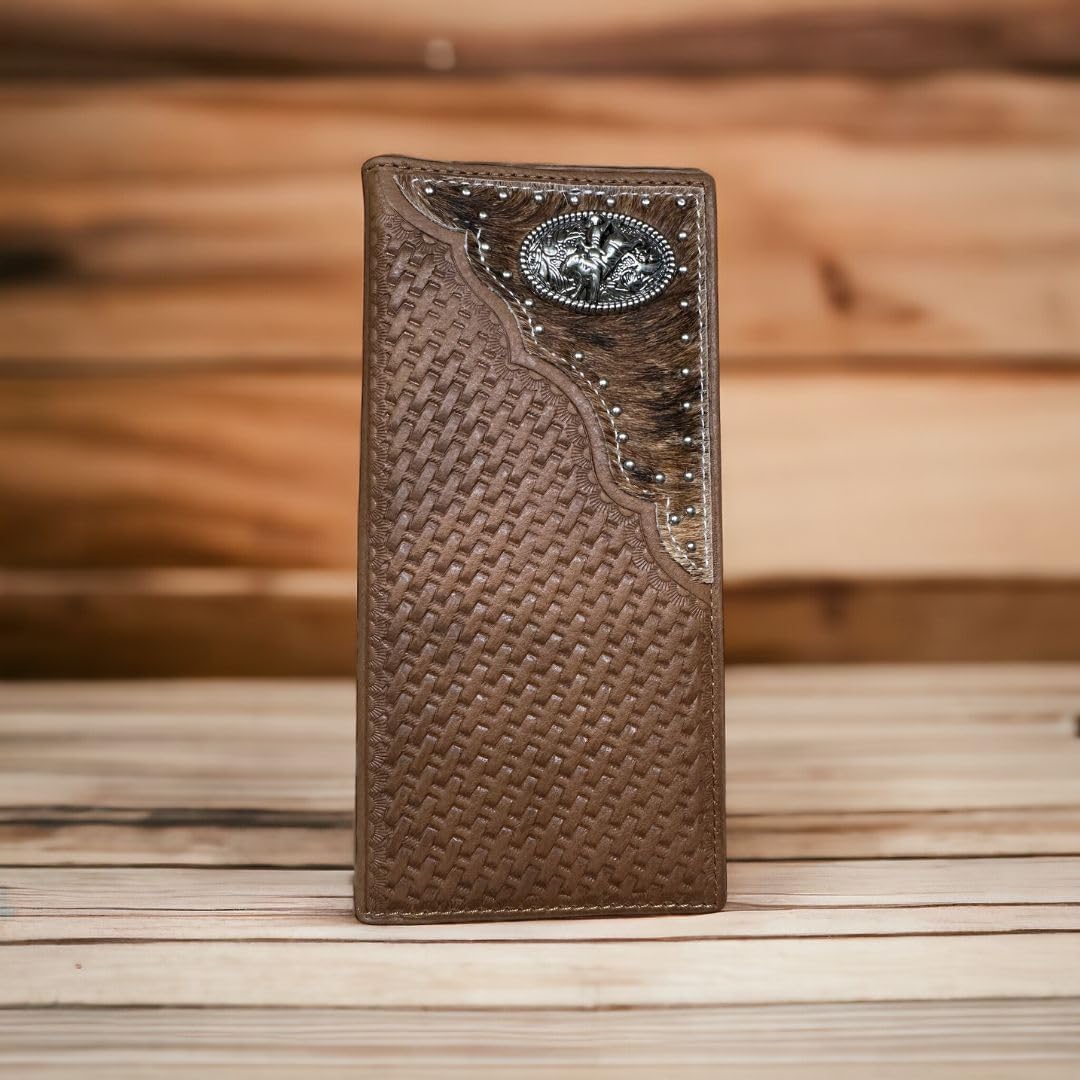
(540, 707)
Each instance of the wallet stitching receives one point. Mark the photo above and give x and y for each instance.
(630, 909)
(710, 669)
(534, 178)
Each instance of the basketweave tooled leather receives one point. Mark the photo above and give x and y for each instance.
(540, 674)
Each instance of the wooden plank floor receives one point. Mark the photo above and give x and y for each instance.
(905, 896)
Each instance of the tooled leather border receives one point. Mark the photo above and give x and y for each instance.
(709, 591)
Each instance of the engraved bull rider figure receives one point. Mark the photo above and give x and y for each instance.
(602, 259)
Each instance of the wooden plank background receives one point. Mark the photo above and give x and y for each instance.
(180, 323)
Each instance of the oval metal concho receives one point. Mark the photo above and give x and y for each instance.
(589, 260)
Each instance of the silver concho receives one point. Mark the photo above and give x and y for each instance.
(590, 260)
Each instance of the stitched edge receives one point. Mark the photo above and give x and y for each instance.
(533, 178)
(706, 488)
(630, 909)
(710, 671)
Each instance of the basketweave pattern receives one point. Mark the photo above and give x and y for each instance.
(539, 703)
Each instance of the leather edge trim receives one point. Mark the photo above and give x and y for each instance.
(399, 918)
(712, 408)
(360, 815)
(568, 174)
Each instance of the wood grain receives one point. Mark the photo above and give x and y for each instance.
(139, 971)
(918, 619)
(878, 475)
(93, 836)
(206, 233)
(576, 975)
(220, 222)
(107, 37)
(1033, 1070)
(896, 1039)
(159, 622)
(801, 898)
(956, 762)
(181, 471)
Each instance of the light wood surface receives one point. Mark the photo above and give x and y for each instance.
(905, 896)
(1039, 1071)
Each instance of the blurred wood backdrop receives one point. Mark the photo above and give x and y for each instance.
(180, 305)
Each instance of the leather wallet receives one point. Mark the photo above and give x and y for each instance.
(540, 705)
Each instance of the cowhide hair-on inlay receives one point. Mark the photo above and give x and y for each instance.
(644, 370)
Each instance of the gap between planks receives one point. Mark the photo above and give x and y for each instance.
(827, 898)
(982, 1070)
(848, 762)
(31, 839)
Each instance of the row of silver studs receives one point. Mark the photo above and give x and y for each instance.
(685, 372)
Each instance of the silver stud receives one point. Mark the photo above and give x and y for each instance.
(574, 200)
(485, 246)
(466, 191)
(504, 194)
(674, 519)
(610, 201)
(616, 411)
(690, 511)
(603, 384)
(680, 202)
(538, 329)
(688, 476)
(645, 200)
(627, 464)
(684, 303)
(682, 234)
(684, 372)
(528, 303)
(687, 406)
(691, 546)
(659, 477)
(683, 269)
(506, 274)
(687, 440)
(684, 337)
(428, 189)
(622, 436)
(579, 356)
(538, 197)
(483, 215)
